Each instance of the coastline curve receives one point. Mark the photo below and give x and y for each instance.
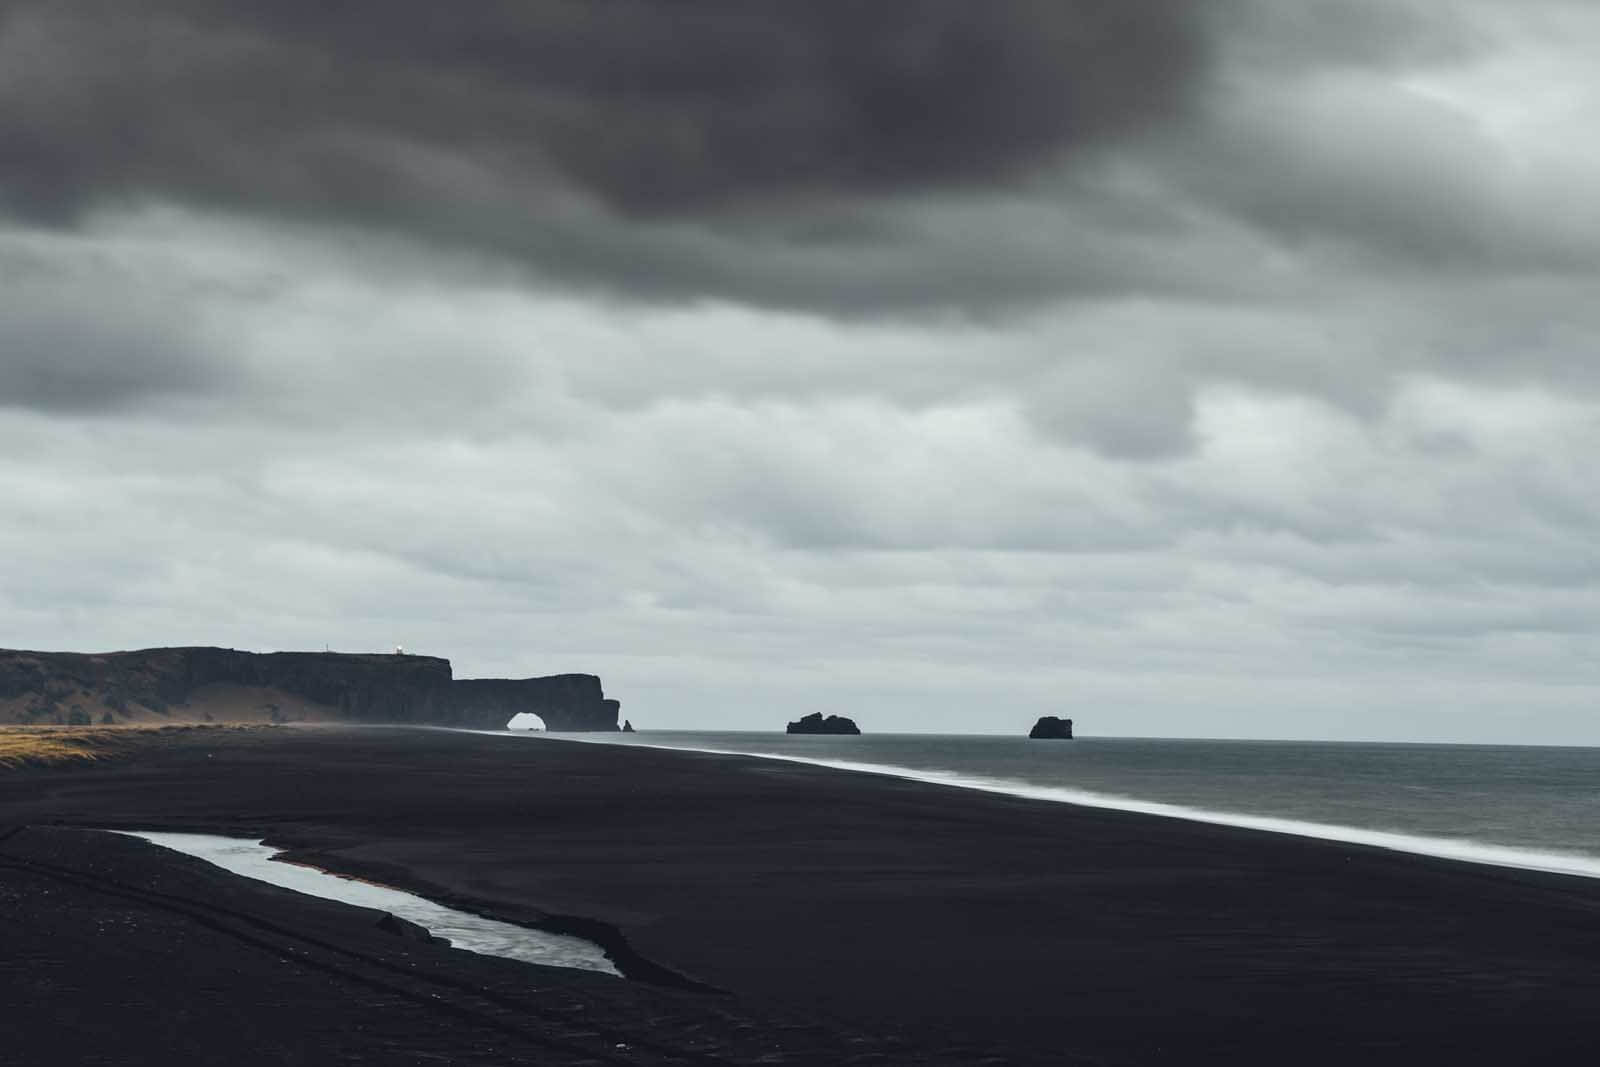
(1462, 850)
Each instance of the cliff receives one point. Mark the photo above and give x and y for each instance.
(226, 685)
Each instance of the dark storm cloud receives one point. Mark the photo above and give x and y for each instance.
(56, 358)
(422, 116)
(82, 334)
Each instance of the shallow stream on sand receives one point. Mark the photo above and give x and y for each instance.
(473, 933)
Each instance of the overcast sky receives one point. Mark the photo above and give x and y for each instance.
(1189, 368)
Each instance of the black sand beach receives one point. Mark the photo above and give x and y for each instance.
(847, 917)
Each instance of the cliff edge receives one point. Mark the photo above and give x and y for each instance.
(225, 685)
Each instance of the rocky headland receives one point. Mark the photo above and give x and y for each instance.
(226, 685)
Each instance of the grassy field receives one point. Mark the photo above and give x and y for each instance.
(43, 746)
(21, 745)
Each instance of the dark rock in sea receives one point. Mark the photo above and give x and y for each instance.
(347, 687)
(816, 724)
(627, 726)
(1051, 728)
(393, 924)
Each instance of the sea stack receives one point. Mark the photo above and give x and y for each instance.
(627, 726)
(1050, 728)
(816, 724)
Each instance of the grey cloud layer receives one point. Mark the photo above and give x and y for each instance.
(1264, 395)
(55, 360)
(857, 159)
(78, 338)
(708, 554)
(376, 109)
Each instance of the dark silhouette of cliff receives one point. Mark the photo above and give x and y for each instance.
(224, 684)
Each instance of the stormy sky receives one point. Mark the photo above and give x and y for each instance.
(1188, 367)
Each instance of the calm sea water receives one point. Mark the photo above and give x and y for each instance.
(1514, 806)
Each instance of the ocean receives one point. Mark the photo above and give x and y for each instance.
(1516, 806)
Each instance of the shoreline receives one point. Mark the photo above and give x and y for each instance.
(1459, 850)
(878, 905)
(207, 967)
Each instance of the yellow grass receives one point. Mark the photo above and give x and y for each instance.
(53, 745)
(47, 744)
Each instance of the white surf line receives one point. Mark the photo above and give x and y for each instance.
(471, 933)
(1463, 850)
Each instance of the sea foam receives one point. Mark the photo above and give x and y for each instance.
(1461, 849)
